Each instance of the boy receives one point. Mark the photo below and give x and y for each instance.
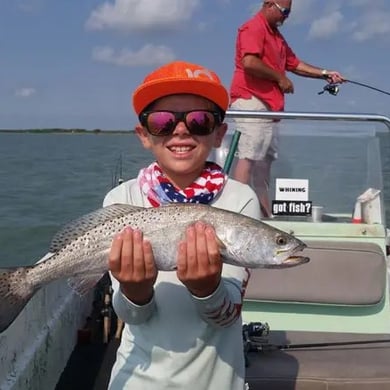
(182, 329)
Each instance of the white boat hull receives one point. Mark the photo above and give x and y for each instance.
(37, 346)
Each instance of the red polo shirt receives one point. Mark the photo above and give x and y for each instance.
(257, 37)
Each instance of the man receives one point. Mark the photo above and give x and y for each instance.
(259, 83)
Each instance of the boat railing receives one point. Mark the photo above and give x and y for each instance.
(324, 116)
(309, 116)
(367, 152)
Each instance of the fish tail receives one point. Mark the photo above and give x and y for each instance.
(15, 292)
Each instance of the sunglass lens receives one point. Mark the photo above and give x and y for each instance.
(200, 122)
(161, 123)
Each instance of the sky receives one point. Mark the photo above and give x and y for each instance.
(75, 63)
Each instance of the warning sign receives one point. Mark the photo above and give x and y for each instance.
(292, 189)
(291, 197)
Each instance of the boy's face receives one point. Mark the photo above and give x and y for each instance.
(182, 155)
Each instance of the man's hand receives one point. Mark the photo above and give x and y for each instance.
(334, 77)
(285, 84)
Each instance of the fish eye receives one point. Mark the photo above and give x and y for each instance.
(281, 240)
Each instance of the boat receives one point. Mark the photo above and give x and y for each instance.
(325, 325)
(322, 325)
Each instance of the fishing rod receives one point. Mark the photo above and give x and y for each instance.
(255, 339)
(116, 177)
(264, 347)
(334, 88)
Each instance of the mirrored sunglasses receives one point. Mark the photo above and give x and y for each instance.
(162, 123)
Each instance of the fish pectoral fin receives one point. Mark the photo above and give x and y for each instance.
(82, 284)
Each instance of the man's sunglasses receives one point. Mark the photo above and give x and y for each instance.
(283, 10)
(162, 123)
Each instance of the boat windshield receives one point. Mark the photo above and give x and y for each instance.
(326, 166)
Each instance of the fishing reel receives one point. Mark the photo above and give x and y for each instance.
(332, 89)
(257, 330)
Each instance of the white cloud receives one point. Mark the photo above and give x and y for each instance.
(326, 26)
(372, 25)
(147, 55)
(24, 92)
(356, 19)
(129, 15)
(303, 10)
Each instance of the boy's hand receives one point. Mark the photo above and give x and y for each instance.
(131, 262)
(199, 264)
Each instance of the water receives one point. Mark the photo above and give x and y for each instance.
(47, 180)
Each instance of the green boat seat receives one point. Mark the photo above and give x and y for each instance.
(339, 273)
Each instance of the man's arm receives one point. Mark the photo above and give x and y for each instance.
(306, 70)
(254, 66)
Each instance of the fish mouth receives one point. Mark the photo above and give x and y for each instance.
(293, 259)
(289, 262)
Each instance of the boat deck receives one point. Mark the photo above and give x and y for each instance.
(275, 370)
(89, 366)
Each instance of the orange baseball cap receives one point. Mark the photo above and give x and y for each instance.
(180, 77)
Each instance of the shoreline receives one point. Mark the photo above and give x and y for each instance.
(64, 131)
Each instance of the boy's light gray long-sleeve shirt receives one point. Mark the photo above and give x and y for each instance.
(178, 341)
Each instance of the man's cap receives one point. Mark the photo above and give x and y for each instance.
(180, 77)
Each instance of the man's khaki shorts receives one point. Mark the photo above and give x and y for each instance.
(259, 137)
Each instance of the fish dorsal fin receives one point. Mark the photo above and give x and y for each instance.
(78, 227)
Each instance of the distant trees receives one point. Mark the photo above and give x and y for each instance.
(66, 131)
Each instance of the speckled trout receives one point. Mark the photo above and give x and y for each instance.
(79, 251)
